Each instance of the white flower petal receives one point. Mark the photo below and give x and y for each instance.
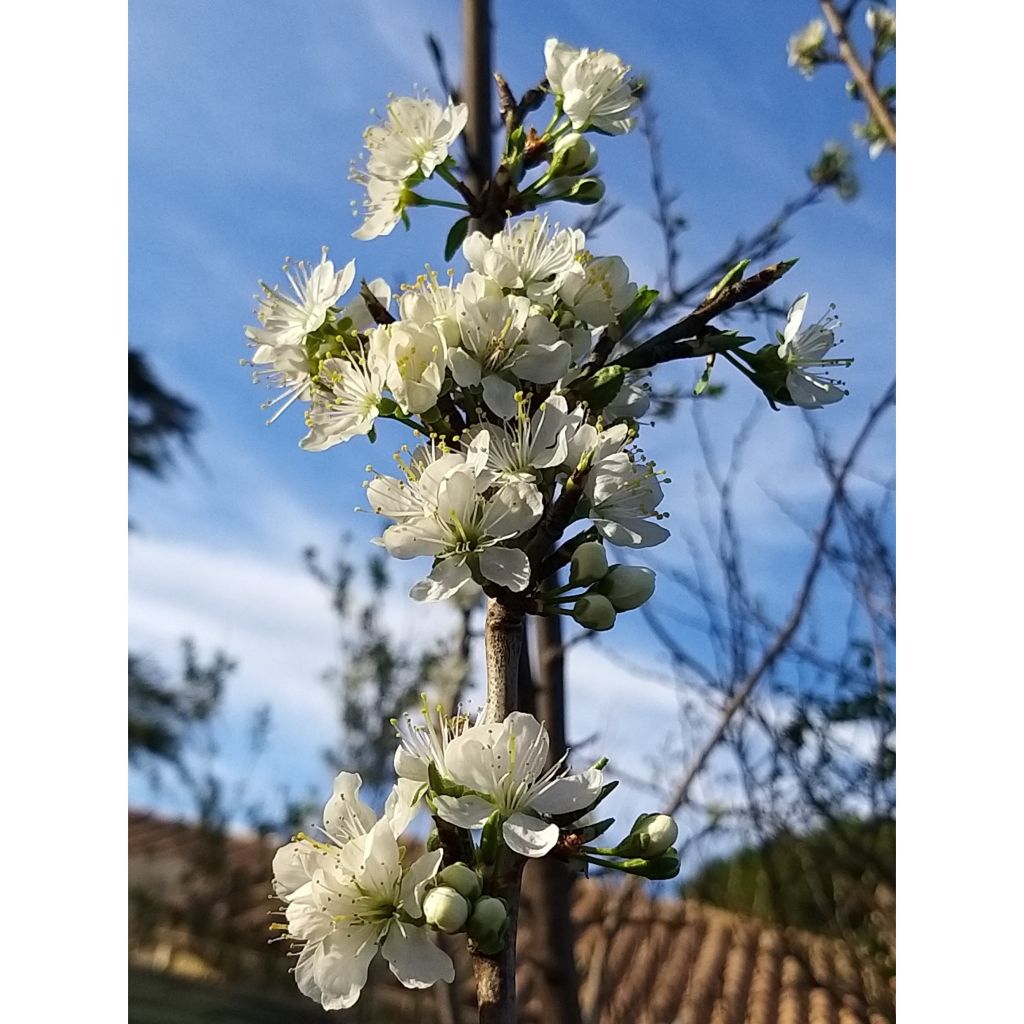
(415, 881)
(414, 960)
(508, 567)
(340, 969)
(464, 811)
(568, 793)
(500, 397)
(446, 579)
(529, 836)
(794, 318)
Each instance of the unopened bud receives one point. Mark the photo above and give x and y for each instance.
(573, 155)
(627, 586)
(594, 612)
(445, 909)
(651, 836)
(487, 920)
(588, 565)
(462, 878)
(586, 192)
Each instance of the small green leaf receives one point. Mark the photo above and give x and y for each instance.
(731, 275)
(634, 312)
(490, 838)
(456, 236)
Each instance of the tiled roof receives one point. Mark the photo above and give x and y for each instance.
(670, 961)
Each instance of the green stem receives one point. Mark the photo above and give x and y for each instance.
(424, 201)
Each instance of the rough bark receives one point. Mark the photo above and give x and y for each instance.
(547, 883)
(495, 974)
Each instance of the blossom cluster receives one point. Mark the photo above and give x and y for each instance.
(522, 424)
(357, 890)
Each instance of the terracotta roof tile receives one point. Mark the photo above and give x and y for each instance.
(671, 961)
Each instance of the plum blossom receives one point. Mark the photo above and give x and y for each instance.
(414, 137)
(416, 362)
(801, 349)
(598, 298)
(527, 256)
(383, 206)
(500, 341)
(427, 301)
(346, 817)
(287, 321)
(592, 87)
(349, 396)
(505, 764)
(517, 449)
(624, 496)
(468, 528)
(364, 900)
(415, 494)
(421, 746)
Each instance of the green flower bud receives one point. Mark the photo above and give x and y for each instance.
(652, 836)
(573, 155)
(586, 192)
(446, 909)
(462, 878)
(588, 565)
(594, 612)
(487, 920)
(627, 586)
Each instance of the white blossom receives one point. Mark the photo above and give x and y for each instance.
(416, 362)
(518, 449)
(286, 321)
(802, 349)
(585, 440)
(366, 900)
(415, 494)
(624, 497)
(527, 256)
(347, 401)
(592, 86)
(383, 205)
(468, 525)
(598, 298)
(430, 302)
(346, 817)
(501, 340)
(505, 764)
(423, 745)
(414, 137)
(806, 47)
(632, 401)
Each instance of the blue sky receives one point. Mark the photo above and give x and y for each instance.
(243, 120)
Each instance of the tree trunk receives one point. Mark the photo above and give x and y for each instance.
(495, 973)
(547, 884)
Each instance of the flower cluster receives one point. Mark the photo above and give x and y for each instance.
(357, 890)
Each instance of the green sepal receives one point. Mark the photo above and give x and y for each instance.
(433, 841)
(588, 833)
(490, 839)
(660, 868)
(441, 786)
(456, 236)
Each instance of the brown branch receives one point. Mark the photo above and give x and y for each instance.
(692, 336)
(864, 80)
